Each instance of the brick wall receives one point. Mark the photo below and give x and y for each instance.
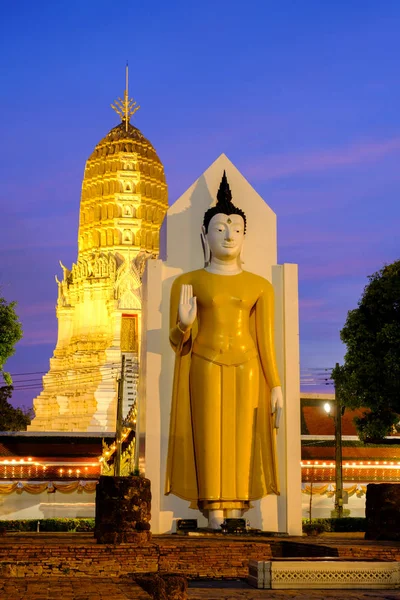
(77, 561)
(210, 558)
(194, 558)
(79, 556)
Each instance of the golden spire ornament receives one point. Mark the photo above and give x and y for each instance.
(125, 108)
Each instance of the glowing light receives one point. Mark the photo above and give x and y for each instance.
(327, 408)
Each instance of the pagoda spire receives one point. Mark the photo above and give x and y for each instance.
(125, 108)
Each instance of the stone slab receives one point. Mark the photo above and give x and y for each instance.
(336, 574)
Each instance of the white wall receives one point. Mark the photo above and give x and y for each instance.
(323, 505)
(46, 506)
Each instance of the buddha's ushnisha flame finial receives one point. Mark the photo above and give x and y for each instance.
(125, 108)
(224, 194)
(224, 205)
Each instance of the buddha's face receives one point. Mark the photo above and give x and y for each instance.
(225, 236)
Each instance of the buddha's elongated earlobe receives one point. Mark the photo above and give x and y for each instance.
(241, 256)
(206, 247)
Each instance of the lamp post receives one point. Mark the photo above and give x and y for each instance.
(338, 451)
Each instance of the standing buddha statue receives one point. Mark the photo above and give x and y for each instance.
(227, 396)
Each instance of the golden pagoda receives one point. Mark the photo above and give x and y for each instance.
(123, 203)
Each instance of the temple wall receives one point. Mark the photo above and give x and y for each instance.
(322, 505)
(46, 506)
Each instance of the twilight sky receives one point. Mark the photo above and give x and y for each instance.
(303, 97)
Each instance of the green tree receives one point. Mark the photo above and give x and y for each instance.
(12, 419)
(370, 376)
(10, 334)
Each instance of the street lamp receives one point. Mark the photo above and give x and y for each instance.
(337, 416)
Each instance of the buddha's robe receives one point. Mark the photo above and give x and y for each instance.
(222, 440)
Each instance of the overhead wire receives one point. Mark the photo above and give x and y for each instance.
(309, 377)
(108, 366)
(70, 382)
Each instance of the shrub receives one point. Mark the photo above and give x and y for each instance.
(344, 524)
(69, 525)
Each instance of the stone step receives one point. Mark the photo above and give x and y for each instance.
(323, 574)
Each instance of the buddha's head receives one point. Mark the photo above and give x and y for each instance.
(224, 225)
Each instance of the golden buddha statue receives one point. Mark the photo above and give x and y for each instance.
(227, 398)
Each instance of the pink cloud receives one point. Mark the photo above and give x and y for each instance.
(348, 267)
(39, 232)
(294, 236)
(275, 166)
(38, 337)
(317, 310)
(43, 308)
(311, 303)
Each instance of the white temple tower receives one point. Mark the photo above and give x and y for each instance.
(123, 203)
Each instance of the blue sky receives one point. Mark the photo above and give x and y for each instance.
(303, 97)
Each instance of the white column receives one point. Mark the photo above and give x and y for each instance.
(149, 402)
(285, 282)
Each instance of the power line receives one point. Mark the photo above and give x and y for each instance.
(65, 374)
(73, 368)
(71, 383)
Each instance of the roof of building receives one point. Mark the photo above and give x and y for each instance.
(56, 445)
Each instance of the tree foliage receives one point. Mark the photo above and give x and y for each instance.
(370, 376)
(10, 334)
(12, 419)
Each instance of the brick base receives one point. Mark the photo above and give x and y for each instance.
(78, 555)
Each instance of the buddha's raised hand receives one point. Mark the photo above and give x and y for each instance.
(187, 307)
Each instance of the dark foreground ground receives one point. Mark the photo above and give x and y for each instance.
(106, 589)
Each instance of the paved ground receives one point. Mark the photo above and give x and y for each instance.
(106, 589)
(73, 589)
